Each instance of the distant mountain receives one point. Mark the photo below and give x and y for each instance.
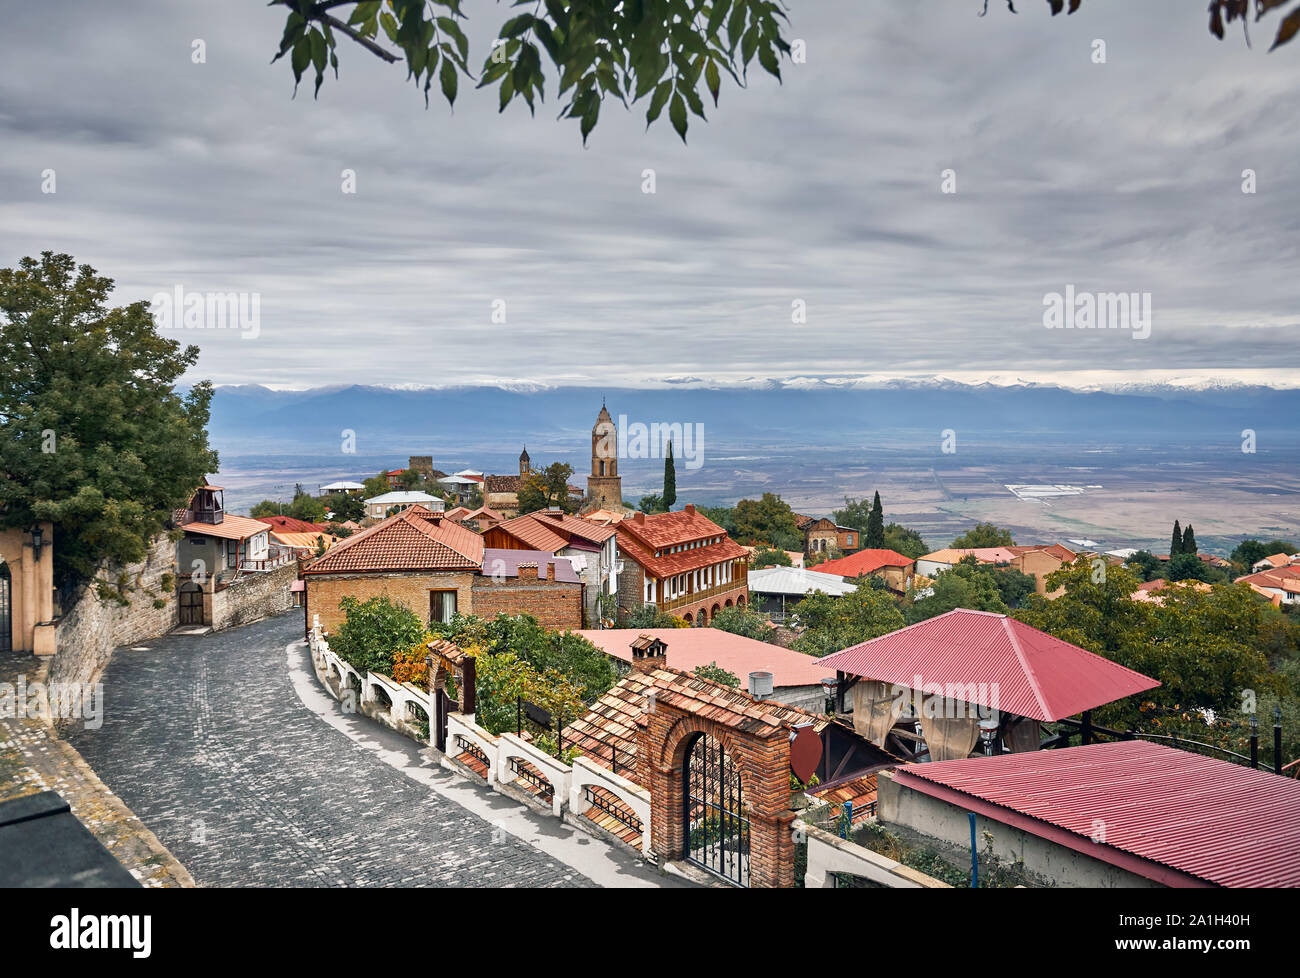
(252, 419)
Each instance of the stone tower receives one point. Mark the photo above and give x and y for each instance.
(604, 485)
(525, 463)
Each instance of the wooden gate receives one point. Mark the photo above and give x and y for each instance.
(191, 605)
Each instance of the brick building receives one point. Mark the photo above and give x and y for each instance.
(437, 567)
(591, 548)
(682, 563)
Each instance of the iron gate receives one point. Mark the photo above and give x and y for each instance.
(6, 610)
(717, 831)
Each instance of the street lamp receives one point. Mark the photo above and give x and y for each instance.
(38, 539)
(829, 685)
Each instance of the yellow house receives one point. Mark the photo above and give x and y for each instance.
(27, 590)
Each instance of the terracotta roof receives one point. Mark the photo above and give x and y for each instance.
(458, 513)
(985, 555)
(657, 530)
(304, 541)
(445, 648)
(1286, 578)
(288, 524)
(1222, 823)
(414, 539)
(502, 483)
(690, 648)
(613, 720)
(575, 525)
(230, 528)
(533, 533)
(860, 791)
(483, 513)
(1061, 553)
(864, 562)
(1024, 671)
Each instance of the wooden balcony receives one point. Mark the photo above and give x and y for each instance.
(741, 583)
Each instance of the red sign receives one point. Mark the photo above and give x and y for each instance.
(805, 752)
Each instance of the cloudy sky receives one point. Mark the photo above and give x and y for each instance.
(1117, 177)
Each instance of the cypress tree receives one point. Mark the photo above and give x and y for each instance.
(1176, 544)
(875, 525)
(670, 480)
(1189, 540)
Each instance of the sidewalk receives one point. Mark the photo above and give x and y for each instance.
(33, 758)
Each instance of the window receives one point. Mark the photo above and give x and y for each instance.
(232, 553)
(442, 606)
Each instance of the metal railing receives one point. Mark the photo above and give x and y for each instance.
(739, 584)
(613, 809)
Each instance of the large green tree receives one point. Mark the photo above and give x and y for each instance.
(1176, 541)
(94, 435)
(767, 520)
(836, 623)
(905, 541)
(546, 489)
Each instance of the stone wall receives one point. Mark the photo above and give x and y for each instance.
(253, 597)
(91, 626)
(325, 591)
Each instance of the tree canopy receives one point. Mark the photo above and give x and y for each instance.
(832, 624)
(546, 489)
(94, 435)
(767, 520)
(669, 53)
(984, 535)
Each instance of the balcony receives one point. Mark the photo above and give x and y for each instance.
(703, 594)
(275, 557)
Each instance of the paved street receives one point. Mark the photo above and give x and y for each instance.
(228, 750)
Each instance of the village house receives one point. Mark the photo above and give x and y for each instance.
(893, 568)
(682, 563)
(379, 507)
(501, 492)
(824, 536)
(1119, 814)
(1280, 584)
(778, 591)
(350, 488)
(1036, 561)
(217, 548)
(591, 548)
(437, 568)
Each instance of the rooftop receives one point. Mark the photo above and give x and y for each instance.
(1012, 667)
(506, 563)
(1212, 822)
(864, 562)
(796, 580)
(230, 528)
(690, 648)
(400, 497)
(414, 539)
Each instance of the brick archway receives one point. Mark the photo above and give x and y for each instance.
(760, 752)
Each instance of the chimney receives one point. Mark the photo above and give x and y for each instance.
(760, 685)
(690, 508)
(638, 517)
(649, 653)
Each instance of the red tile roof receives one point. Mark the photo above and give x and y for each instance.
(1221, 823)
(1286, 578)
(1028, 673)
(288, 524)
(864, 562)
(613, 720)
(414, 539)
(502, 483)
(641, 535)
(230, 528)
(534, 534)
(690, 648)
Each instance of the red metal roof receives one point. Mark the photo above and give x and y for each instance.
(1027, 672)
(1222, 823)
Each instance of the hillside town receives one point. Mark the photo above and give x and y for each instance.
(823, 715)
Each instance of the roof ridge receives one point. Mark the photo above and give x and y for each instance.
(1031, 674)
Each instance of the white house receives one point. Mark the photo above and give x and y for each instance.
(380, 506)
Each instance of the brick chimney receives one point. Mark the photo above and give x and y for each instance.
(690, 508)
(649, 653)
(638, 517)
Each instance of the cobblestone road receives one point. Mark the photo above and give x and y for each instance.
(210, 745)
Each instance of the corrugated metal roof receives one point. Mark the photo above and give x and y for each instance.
(1026, 672)
(794, 580)
(1220, 822)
